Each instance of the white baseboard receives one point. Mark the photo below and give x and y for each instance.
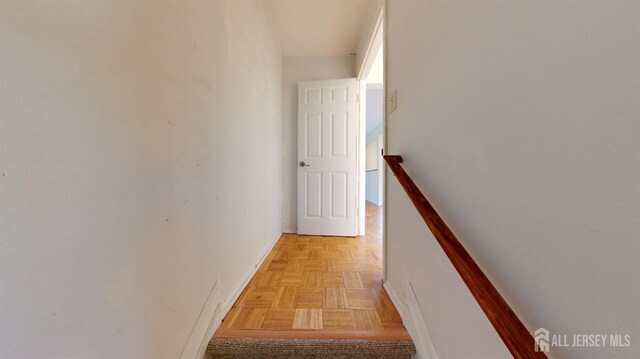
(203, 323)
(214, 311)
(290, 230)
(414, 321)
(395, 299)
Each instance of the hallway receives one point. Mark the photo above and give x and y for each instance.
(153, 153)
(319, 288)
(321, 283)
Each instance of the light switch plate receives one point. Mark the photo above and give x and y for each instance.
(393, 100)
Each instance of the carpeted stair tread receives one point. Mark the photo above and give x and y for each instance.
(232, 348)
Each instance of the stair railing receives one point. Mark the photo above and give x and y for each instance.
(514, 334)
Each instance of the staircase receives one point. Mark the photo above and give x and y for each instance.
(227, 348)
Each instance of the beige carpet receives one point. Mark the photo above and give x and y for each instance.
(236, 348)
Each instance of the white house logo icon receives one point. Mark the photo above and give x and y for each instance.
(541, 337)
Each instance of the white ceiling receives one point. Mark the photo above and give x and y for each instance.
(319, 27)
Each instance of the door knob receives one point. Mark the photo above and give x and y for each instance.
(302, 164)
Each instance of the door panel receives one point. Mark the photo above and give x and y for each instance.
(327, 168)
(313, 134)
(313, 191)
(339, 195)
(339, 134)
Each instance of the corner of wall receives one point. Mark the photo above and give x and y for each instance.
(414, 322)
(213, 315)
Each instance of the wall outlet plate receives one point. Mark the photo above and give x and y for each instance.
(393, 100)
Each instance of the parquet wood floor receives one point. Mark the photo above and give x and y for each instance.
(328, 284)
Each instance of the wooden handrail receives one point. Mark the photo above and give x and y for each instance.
(513, 333)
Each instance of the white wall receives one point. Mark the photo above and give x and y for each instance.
(374, 115)
(520, 121)
(371, 18)
(372, 194)
(296, 69)
(131, 135)
(375, 98)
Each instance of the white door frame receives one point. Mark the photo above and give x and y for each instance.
(381, 172)
(378, 37)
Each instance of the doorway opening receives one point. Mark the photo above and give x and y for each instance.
(321, 289)
(372, 140)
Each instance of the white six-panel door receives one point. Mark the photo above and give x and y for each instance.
(327, 166)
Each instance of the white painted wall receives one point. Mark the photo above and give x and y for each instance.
(375, 106)
(368, 29)
(372, 194)
(520, 121)
(376, 73)
(374, 115)
(131, 136)
(296, 69)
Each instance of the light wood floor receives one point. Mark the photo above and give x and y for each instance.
(312, 286)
